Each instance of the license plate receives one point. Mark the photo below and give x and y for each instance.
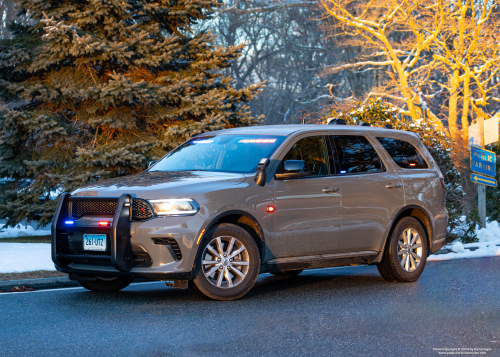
(94, 242)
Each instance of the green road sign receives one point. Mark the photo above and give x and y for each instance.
(484, 180)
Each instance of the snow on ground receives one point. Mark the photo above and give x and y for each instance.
(488, 245)
(22, 231)
(22, 257)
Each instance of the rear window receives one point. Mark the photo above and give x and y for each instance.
(355, 155)
(403, 153)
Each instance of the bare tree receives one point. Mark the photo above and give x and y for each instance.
(436, 55)
(288, 48)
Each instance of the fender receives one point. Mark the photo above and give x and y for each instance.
(430, 235)
(208, 226)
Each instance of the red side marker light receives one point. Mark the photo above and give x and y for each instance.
(104, 224)
(270, 209)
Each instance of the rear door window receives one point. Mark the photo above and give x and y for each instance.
(403, 153)
(355, 155)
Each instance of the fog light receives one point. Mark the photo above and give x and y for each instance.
(104, 224)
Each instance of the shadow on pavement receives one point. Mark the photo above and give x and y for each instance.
(268, 286)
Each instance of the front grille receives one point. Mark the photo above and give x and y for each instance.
(80, 208)
(171, 242)
(140, 210)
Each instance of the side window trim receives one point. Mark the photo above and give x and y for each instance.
(334, 162)
(331, 141)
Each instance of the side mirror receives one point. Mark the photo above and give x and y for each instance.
(151, 163)
(293, 169)
(260, 177)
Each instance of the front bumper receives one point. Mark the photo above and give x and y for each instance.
(135, 249)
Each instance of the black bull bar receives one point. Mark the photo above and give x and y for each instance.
(120, 254)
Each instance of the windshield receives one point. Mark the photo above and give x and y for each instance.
(223, 153)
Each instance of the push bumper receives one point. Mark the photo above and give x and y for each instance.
(121, 257)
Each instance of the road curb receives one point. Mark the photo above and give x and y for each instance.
(42, 283)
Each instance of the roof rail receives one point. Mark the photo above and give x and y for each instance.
(364, 124)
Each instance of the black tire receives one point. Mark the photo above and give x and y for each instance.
(204, 284)
(106, 285)
(391, 267)
(288, 273)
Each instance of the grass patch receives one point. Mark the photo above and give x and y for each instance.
(30, 275)
(27, 239)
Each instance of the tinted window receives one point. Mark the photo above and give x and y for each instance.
(224, 153)
(312, 150)
(355, 154)
(403, 153)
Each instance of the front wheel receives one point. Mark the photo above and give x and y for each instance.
(406, 253)
(106, 285)
(229, 264)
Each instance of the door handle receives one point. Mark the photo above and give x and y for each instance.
(393, 185)
(330, 190)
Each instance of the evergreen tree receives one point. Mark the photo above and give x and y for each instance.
(99, 88)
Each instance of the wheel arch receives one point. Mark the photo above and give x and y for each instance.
(418, 213)
(240, 218)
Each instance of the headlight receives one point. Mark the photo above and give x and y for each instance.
(175, 207)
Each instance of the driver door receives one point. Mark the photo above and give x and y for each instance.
(307, 216)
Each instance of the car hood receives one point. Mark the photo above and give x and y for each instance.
(170, 184)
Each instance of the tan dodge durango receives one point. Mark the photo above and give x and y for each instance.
(228, 205)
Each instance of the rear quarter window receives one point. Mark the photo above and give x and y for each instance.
(403, 153)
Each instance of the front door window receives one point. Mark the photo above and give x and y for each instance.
(313, 151)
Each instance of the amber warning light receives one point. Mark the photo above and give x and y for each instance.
(270, 209)
(412, 164)
(104, 224)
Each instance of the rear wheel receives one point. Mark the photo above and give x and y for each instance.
(288, 273)
(106, 285)
(406, 253)
(229, 264)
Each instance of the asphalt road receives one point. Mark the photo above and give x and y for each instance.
(326, 312)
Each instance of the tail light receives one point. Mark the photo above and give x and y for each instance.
(441, 179)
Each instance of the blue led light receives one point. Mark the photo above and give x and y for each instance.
(69, 222)
(342, 172)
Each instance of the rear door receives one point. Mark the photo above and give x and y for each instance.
(307, 220)
(371, 192)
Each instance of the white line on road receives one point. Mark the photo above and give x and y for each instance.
(75, 288)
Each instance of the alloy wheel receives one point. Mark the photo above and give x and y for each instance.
(410, 249)
(225, 262)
